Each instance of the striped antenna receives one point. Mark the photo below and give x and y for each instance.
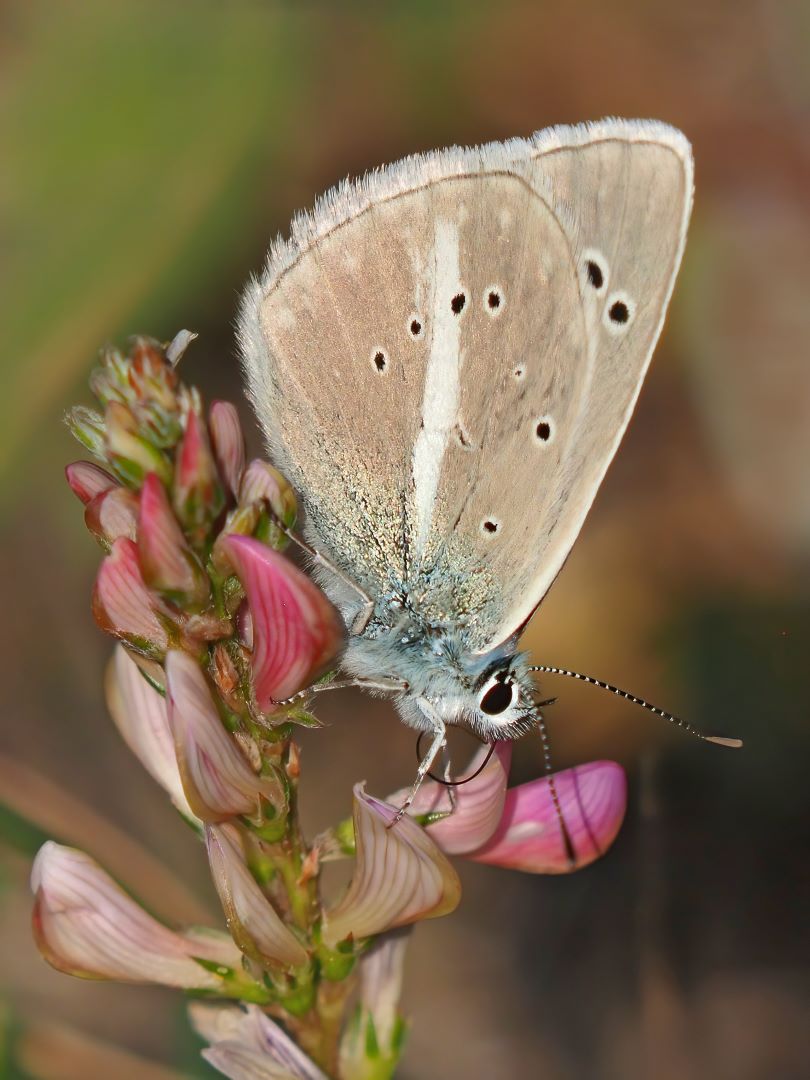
(720, 740)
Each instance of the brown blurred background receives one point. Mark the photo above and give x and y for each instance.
(150, 150)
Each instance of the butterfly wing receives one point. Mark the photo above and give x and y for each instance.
(445, 357)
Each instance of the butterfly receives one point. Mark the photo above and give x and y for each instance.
(443, 357)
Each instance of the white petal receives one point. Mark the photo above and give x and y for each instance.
(85, 924)
(252, 919)
(141, 716)
(400, 876)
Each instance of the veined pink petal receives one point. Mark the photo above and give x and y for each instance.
(296, 630)
(248, 1045)
(479, 803)
(112, 514)
(197, 495)
(262, 483)
(228, 443)
(252, 920)
(85, 924)
(167, 562)
(141, 716)
(122, 604)
(400, 876)
(593, 799)
(88, 480)
(218, 780)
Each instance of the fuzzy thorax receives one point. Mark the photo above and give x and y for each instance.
(450, 681)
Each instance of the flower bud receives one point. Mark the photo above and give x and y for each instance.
(252, 920)
(87, 426)
(264, 486)
(197, 495)
(84, 924)
(88, 480)
(228, 444)
(296, 630)
(593, 799)
(122, 604)
(218, 781)
(167, 562)
(130, 454)
(111, 515)
(399, 877)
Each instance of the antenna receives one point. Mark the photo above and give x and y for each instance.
(720, 740)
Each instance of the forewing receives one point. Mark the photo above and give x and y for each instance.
(545, 440)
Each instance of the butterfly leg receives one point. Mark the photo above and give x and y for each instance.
(363, 617)
(438, 741)
(389, 686)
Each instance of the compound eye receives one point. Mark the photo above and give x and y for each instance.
(497, 697)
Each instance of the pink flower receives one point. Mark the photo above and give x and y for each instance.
(123, 605)
(400, 875)
(141, 715)
(252, 920)
(112, 514)
(218, 781)
(247, 1045)
(593, 799)
(88, 480)
(197, 494)
(228, 444)
(296, 632)
(519, 828)
(84, 924)
(167, 562)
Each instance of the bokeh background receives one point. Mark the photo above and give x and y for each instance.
(149, 152)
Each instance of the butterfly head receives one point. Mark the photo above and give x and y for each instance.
(493, 700)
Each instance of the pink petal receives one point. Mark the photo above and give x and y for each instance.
(479, 803)
(262, 483)
(400, 876)
(296, 631)
(122, 604)
(197, 495)
(88, 480)
(142, 717)
(255, 925)
(85, 924)
(167, 562)
(218, 780)
(228, 443)
(112, 514)
(592, 797)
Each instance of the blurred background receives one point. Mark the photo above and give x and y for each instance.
(150, 150)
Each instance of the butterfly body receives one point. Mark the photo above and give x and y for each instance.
(444, 357)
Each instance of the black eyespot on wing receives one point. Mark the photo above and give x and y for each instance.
(497, 699)
(494, 299)
(543, 430)
(619, 312)
(490, 526)
(416, 327)
(380, 362)
(457, 303)
(595, 275)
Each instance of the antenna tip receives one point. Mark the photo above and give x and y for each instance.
(735, 744)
